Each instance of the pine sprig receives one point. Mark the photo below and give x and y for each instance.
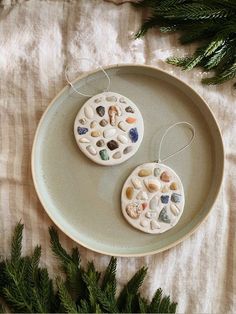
(211, 23)
(25, 287)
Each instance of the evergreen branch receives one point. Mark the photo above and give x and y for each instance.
(16, 245)
(67, 302)
(211, 22)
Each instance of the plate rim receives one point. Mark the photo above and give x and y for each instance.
(78, 241)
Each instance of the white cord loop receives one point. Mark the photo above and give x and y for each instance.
(189, 125)
(83, 94)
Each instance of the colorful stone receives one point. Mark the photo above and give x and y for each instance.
(103, 154)
(165, 199)
(144, 172)
(112, 145)
(130, 120)
(82, 131)
(111, 98)
(91, 150)
(144, 223)
(113, 112)
(176, 198)
(100, 111)
(153, 204)
(134, 210)
(95, 133)
(165, 176)
(144, 205)
(133, 134)
(142, 195)
(88, 111)
(84, 140)
(123, 126)
(117, 155)
(129, 109)
(122, 100)
(83, 121)
(163, 216)
(100, 143)
(103, 122)
(157, 172)
(154, 225)
(174, 186)
(98, 100)
(152, 185)
(174, 209)
(128, 150)
(165, 189)
(129, 192)
(136, 183)
(109, 133)
(93, 124)
(123, 139)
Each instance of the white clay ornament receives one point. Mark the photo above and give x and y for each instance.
(109, 128)
(152, 198)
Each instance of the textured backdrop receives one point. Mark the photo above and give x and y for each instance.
(37, 40)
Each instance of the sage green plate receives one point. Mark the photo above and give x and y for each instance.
(83, 198)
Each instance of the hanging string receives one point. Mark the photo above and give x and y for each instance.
(83, 94)
(189, 125)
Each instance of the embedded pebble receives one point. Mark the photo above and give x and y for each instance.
(165, 176)
(144, 222)
(122, 126)
(103, 122)
(84, 140)
(100, 143)
(174, 209)
(129, 192)
(157, 172)
(129, 109)
(154, 225)
(88, 111)
(128, 149)
(150, 214)
(122, 100)
(95, 133)
(109, 133)
(93, 124)
(165, 199)
(111, 98)
(154, 203)
(100, 111)
(165, 189)
(130, 120)
(91, 150)
(97, 100)
(82, 131)
(174, 186)
(144, 172)
(152, 185)
(117, 155)
(176, 198)
(134, 210)
(119, 112)
(112, 112)
(163, 216)
(136, 183)
(133, 134)
(83, 121)
(112, 145)
(142, 195)
(103, 154)
(144, 205)
(123, 139)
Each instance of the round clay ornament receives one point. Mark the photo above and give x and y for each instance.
(109, 128)
(152, 198)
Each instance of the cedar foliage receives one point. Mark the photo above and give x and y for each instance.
(210, 23)
(25, 287)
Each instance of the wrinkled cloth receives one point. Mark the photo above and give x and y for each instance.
(37, 40)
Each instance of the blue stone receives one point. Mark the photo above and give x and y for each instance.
(163, 216)
(82, 131)
(165, 199)
(133, 134)
(176, 198)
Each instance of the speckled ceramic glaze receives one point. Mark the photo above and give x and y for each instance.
(109, 128)
(152, 198)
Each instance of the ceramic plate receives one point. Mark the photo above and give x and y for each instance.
(83, 198)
